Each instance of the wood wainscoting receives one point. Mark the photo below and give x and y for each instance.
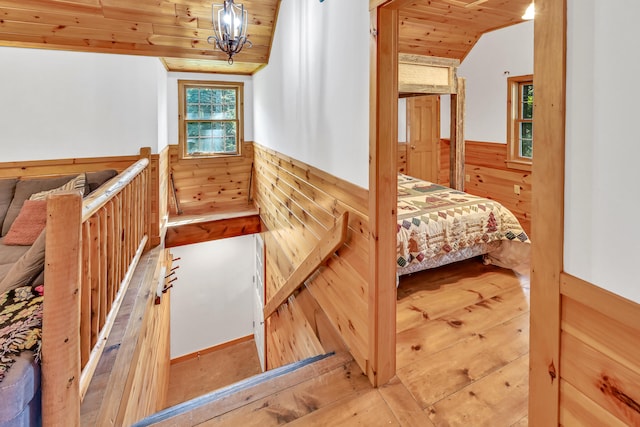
(211, 184)
(298, 203)
(599, 358)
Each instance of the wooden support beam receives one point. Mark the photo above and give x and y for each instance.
(547, 253)
(383, 188)
(331, 242)
(61, 314)
(198, 232)
(456, 153)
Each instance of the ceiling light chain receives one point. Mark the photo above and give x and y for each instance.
(229, 28)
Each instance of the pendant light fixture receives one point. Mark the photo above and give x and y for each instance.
(229, 28)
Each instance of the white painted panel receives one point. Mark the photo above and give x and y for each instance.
(212, 301)
(402, 120)
(172, 99)
(312, 100)
(57, 104)
(602, 237)
(498, 55)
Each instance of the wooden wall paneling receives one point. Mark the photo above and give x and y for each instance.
(577, 409)
(383, 93)
(603, 380)
(326, 246)
(64, 166)
(402, 157)
(298, 203)
(545, 369)
(290, 337)
(211, 184)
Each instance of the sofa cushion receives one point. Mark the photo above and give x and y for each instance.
(96, 179)
(76, 183)
(7, 188)
(18, 390)
(11, 254)
(24, 189)
(29, 224)
(27, 267)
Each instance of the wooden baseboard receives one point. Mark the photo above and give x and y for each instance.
(199, 353)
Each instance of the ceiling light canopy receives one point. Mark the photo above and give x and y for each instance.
(229, 28)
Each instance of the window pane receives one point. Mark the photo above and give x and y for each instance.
(193, 96)
(211, 120)
(527, 101)
(192, 129)
(526, 130)
(526, 140)
(526, 148)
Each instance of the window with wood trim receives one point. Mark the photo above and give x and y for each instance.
(210, 118)
(520, 122)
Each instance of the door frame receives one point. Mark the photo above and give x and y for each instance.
(547, 209)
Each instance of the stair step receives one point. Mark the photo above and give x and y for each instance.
(245, 392)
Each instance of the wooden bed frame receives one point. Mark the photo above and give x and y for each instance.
(93, 248)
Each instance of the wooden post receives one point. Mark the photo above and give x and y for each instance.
(61, 315)
(547, 211)
(145, 153)
(456, 151)
(383, 188)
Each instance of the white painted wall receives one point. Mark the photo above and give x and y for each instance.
(172, 99)
(497, 56)
(602, 236)
(163, 107)
(212, 300)
(312, 100)
(56, 104)
(402, 120)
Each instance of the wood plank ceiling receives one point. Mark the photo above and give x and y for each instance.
(450, 28)
(177, 30)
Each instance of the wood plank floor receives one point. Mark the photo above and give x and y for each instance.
(211, 371)
(462, 360)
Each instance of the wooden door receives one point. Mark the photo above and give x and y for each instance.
(423, 136)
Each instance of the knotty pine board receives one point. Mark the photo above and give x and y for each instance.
(297, 204)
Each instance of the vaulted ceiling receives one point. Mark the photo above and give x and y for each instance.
(450, 28)
(177, 30)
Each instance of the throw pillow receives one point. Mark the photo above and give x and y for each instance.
(29, 224)
(76, 183)
(29, 266)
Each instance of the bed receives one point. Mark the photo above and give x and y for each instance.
(438, 225)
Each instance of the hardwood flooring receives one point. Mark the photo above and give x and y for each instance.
(462, 360)
(194, 377)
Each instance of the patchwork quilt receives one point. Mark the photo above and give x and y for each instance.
(436, 221)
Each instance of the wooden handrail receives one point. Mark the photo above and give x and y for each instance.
(107, 191)
(331, 242)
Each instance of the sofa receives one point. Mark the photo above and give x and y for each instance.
(22, 256)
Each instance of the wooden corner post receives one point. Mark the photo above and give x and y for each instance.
(383, 188)
(61, 314)
(547, 211)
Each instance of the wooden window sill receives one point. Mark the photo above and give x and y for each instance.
(520, 165)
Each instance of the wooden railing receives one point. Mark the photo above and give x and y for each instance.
(331, 242)
(92, 249)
